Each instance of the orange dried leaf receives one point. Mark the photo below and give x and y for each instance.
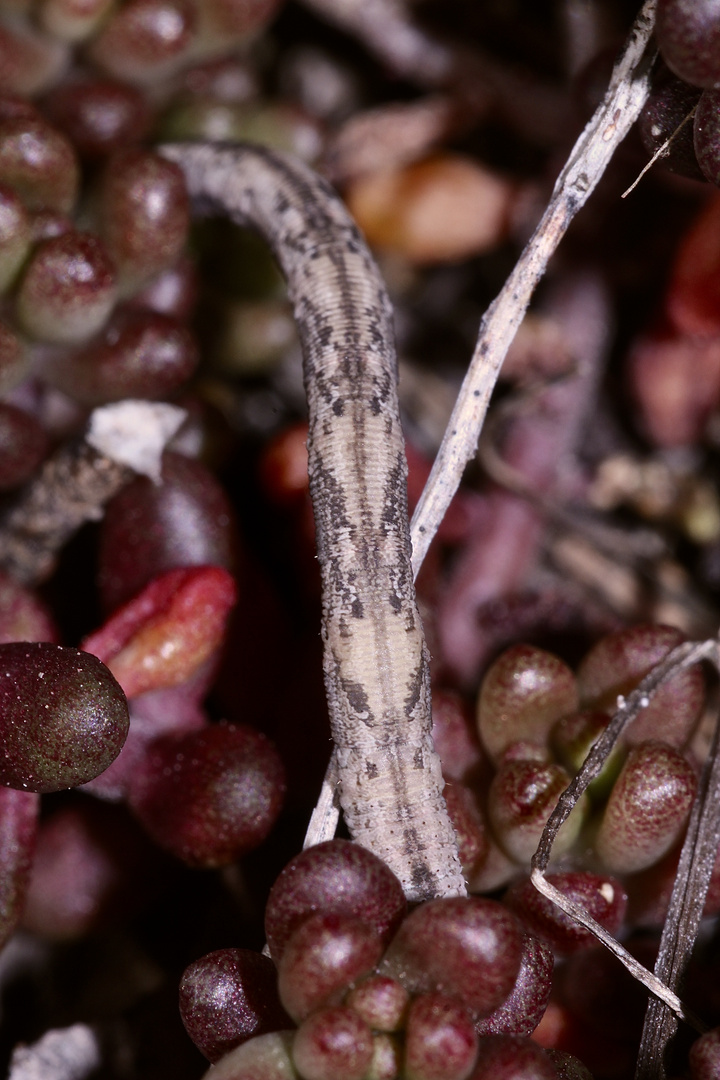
(443, 209)
(161, 637)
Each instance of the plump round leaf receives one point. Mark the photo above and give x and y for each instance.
(618, 662)
(333, 1043)
(688, 33)
(68, 289)
(149, 528)
(469, 948)
(647, 809)
(522, 695)
(324, 956)
(524, 1007)
(705, 1056)
(338, 877)
(99, 115)
(228, 997)
(601, 896)
(210, 796)
(521, 798)
(144, 40)
(38, 163)
(63, 717)
(144, 213)
(266, 1057)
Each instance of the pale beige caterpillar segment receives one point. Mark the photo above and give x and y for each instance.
(376, 665)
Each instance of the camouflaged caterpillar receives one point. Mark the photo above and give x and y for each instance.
(375, 658)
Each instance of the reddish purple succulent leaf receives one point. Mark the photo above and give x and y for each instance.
(63, 717)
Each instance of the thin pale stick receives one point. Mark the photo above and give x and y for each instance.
(660, 152)
(324, 818)
(626, 95)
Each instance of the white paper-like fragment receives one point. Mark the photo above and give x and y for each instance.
(135, 433)
(71, 1053)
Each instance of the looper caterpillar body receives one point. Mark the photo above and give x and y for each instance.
(375, 659)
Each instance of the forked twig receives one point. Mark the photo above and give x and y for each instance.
(626, 95)
(680, 658)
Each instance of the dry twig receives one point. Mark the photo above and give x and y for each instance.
(73, 486)
(590, 156)
(684, 656)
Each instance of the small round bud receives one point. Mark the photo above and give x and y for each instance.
(440, 1040)
(522, 695)
(99, 116)
(381, 1001)
(68, 289)
(647, 809)
(144, 214)
(38, 163)
(145, 40)
(333, 1043)
(63, 717)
